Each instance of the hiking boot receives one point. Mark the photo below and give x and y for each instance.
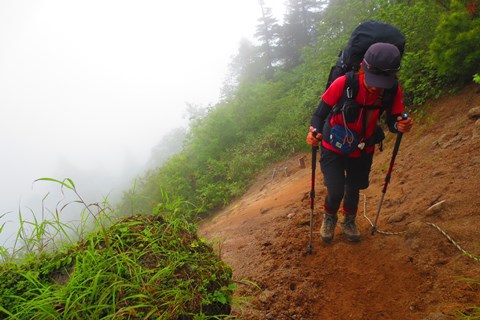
(350, 228)
(328, 227)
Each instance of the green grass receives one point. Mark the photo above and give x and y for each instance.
(141, 267)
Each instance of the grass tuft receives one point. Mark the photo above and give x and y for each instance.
(141, 267)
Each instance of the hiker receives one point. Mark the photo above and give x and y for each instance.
(347, 127)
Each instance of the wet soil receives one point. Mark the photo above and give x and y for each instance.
(416, 273)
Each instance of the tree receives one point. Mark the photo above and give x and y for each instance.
(246, 64)
(268, 35)
(298, 30)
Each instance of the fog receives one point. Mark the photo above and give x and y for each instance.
(88, 88)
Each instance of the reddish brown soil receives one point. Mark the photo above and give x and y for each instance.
(415, 275)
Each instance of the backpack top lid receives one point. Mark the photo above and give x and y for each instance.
(381, 62)
(366, 34)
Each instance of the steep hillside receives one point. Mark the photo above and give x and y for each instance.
(418, 274)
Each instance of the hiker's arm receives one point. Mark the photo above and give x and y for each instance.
(329, 99)
(318, 118)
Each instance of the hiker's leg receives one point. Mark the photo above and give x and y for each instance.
(333, 169)
(358, 171)
(350, 205)
(351, 199)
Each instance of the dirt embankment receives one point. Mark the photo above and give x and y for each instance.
(417, 274)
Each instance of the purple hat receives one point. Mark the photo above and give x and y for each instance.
(380, 63)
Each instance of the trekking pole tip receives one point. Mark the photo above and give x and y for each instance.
(309, 249)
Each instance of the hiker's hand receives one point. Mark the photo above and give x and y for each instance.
(404, 125)
(311, 139)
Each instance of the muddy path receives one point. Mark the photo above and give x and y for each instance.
(416, 274)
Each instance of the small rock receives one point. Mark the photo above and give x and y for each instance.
(474, 113)
(476, 130)
(443, 138)
(265, 296)
(437, 173)
(457, 138)
(264, 210)
(397, 217)
(414, 228)
(440, 142)
(476, 160)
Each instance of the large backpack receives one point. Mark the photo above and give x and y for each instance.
(364, 35)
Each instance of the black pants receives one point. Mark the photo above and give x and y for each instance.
(344, 177)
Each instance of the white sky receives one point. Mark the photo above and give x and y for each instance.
(93, 85)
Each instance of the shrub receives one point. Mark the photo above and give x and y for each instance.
(456, 47)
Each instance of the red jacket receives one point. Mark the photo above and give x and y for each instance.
(364, 98)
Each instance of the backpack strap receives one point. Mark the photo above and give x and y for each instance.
(388, 97)
(351, 85)
(350, 91)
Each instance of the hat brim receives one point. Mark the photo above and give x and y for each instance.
(379, 80)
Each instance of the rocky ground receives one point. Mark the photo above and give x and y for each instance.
(415, 274)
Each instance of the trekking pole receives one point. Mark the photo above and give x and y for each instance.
(312, 197)
(389, 174)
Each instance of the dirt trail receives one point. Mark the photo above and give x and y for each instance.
(415, 275)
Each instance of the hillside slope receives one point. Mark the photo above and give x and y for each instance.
(418, 274)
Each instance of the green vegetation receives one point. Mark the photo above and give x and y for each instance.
(472, 313)
(476, 78)
(144, 266)
(265, 114)
(456, 44)
(154, 264)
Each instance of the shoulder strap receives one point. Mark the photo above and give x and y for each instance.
(350, 90)
(389, 97)
(351, 85)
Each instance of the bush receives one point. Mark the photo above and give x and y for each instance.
(155, 266)
(456, 47)
(419, 78)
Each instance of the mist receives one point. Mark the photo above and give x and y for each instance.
(89, 88)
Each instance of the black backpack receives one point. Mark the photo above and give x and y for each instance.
(366, 34)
